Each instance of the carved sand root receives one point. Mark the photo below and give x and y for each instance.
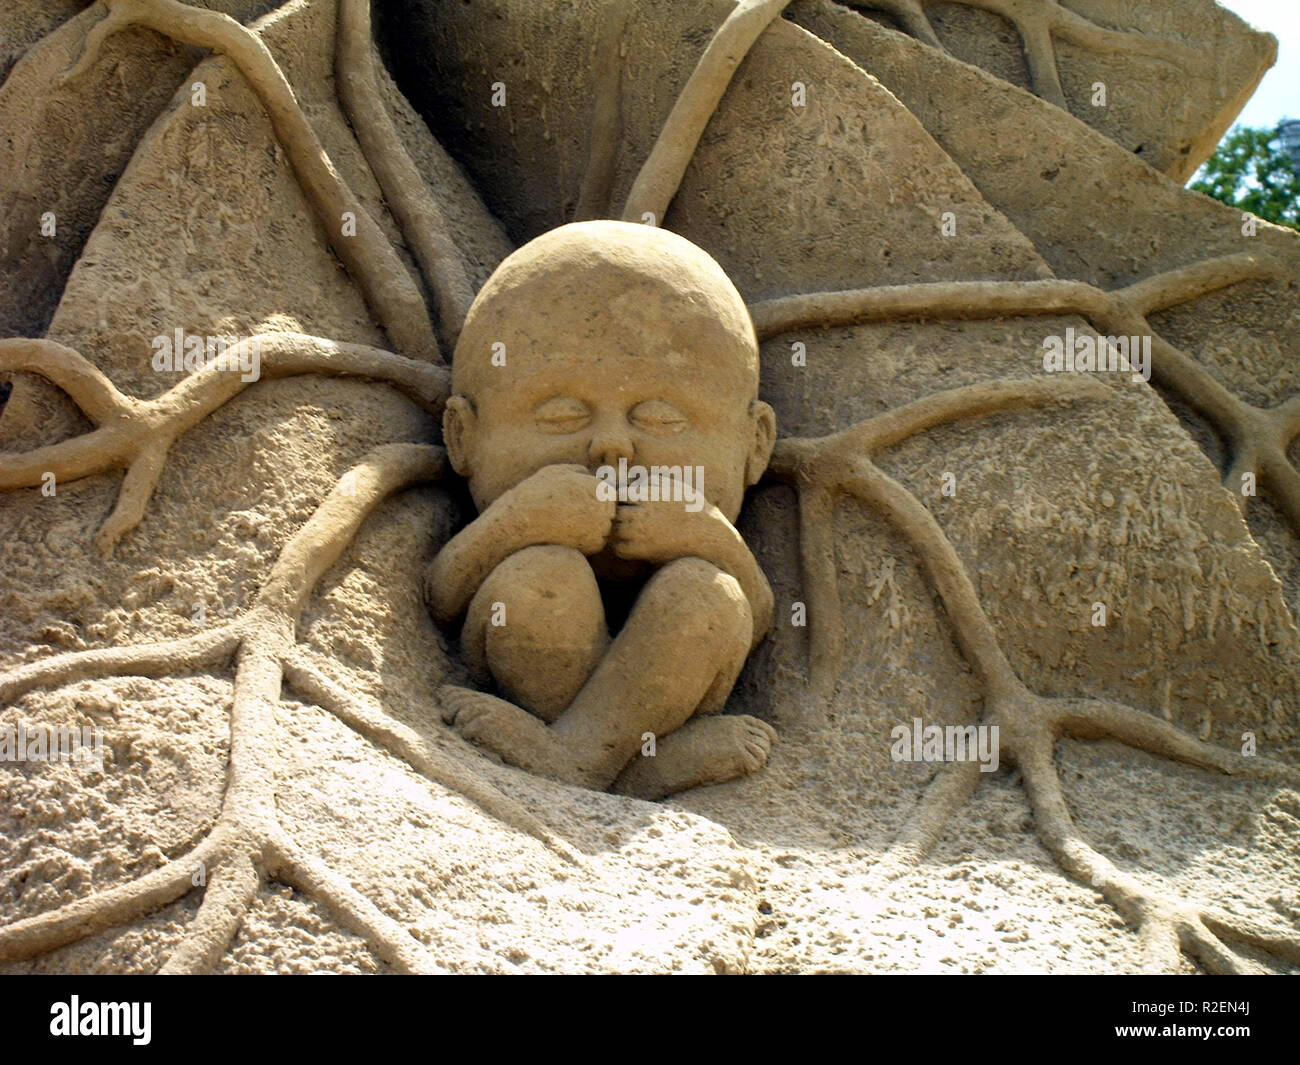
(607, 117)
(135, 435)
(1038, 22)
(826, 467)
(388, 288)
(421, 220)
(313, 682)
(1165, 925)
(661, 175)
(1029, 725)
(1257, 439)
(247, 845)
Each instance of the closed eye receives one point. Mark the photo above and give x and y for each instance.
(562, 415)
(658, 416)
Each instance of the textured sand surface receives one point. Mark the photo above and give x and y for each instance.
(176, 216)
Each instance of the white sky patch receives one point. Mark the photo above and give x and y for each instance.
(1278, 95)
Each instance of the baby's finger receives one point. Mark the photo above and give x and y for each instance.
(624, 528)
(626, 548)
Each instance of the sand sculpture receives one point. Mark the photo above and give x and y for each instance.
(619, 340)
(620, 346)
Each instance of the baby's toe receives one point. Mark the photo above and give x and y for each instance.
(453, 701)
(756, 738)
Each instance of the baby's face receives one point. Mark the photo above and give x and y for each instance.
(594, 413)
(602, 342)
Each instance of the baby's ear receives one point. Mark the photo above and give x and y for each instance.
(762, 419)
(459, 425)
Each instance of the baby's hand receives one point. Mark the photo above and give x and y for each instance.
(658, 532)
(561, 505)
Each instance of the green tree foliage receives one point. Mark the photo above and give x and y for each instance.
(1249, 170)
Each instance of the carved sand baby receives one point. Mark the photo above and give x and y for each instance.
(595, 343)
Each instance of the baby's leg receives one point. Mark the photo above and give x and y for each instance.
(537, 626)
(681, 650)
(705, 750)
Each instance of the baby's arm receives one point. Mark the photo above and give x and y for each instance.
(556, 505)
(662, 531)
(727, 550)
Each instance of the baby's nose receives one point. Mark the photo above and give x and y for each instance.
(611, 440)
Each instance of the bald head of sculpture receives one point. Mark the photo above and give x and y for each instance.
(602, 341)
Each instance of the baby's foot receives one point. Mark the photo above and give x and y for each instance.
(510, 731)
(706, 750)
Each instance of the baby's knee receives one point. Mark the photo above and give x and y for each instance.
(541, 565)
(538, 586)
(708, 600)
